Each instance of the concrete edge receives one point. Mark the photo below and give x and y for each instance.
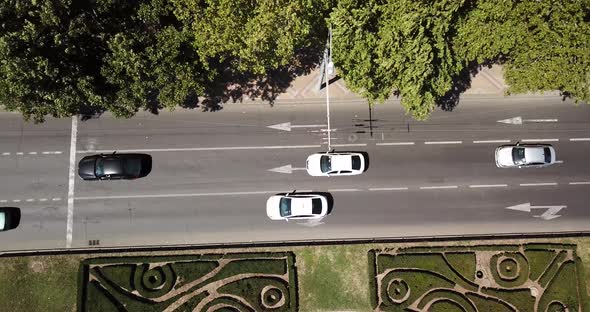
(292, 243)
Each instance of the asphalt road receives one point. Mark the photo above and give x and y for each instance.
(211, 178)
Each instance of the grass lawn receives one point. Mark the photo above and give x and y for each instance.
(330, 278)
(45, 283)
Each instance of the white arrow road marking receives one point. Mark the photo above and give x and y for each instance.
(287, 126)
(518, 120)
(549, 214)
(285, 169)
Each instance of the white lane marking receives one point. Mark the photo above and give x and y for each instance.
(20, 153)
(51, 152)
(580, 183)
(71, 181)
(487, 185)
(396, 143)
(32, 153)
(350, 144)
(492, 141)
(16, 200)
(343, 190)
(176, 195)
(5, 154)
(197, 149)
(443, 142)
(580, 139)
(540, 140)
(30, 200)
(438, 187)
(559, 161)
(539, 184)
(388, 189)
(42, 199)
(3, 201)
(56, 199)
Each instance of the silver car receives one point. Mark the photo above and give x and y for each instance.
(525, 156)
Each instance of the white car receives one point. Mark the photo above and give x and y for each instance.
(292, 206)
(525, 156)
(335, 164)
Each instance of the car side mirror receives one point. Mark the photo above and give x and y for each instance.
(114, 152)
(517, 143)
(287, 219)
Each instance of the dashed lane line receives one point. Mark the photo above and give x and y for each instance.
(198, 149)
(540, 140)
(487, 185)
(442, 142)
(29, 200)
(491, 141)
(388, 189)
(580, 139)
(394, 143)
(33, 153)
(344, 190)
(539, 184)
(580, 183)
(438, 187)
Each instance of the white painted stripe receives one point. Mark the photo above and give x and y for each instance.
(396, 143)
(487, 185)
(580, 183)
(20, 153)
(71, 181)
(32, 153)
(540, 140)
(16, 200)
(56, 199)
(539, 184)
(388, 189)
(3, 201)
(177, 195)
(343, 190)
(443, 142)
(198, 149)
(350, 144)
(580, 139)
(438, 187)
(42, 199)
(30, 200)
(51, 152)
(492, 141)
(5, 154)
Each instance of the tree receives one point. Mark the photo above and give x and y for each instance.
(545, 45)
(382, 46)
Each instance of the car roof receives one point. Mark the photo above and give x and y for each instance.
(534, 154)
(341, 162)
(112, 165)
(301, 206)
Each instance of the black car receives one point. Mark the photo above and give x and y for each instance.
(115, 166)
(9, 218)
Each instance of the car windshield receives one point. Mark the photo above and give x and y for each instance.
(325, 164)
(518, 155)
(2, 220)
(316, 206)
(285, 207)
(547, 155)
(356, 163)
(99, 167)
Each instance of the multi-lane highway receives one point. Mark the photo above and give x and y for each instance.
(212, 174)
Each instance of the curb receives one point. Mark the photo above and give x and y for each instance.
(291, 243)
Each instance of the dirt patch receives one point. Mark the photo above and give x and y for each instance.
(37, 267)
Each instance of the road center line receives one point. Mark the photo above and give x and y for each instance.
(388, 189)
(343, 190)
(492, 141)
(350, 144)
(580, 183)
(487, 185)
(198, 149)
(177, 195)
(539, 184)
(395, 143)
(580, 139)
(438, 187)
(540, 140)
(71, 181)
(443, 142)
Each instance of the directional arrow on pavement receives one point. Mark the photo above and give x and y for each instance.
(549, 214)
(518, 120)
(287, 126)
(285, 169)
